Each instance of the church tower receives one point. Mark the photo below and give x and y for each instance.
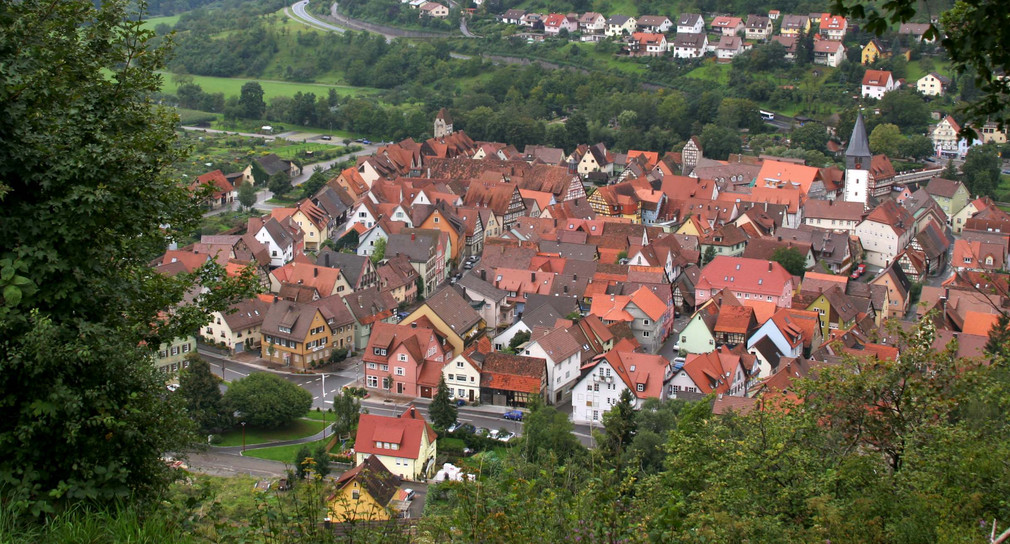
(857, 164)
(443, 124)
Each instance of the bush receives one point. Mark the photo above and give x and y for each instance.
(338, 355)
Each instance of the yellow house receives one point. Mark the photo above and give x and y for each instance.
(303, 335)
(691, 227)
(873, 51)
(837, 312)
(364, 493)
(405, 445)
(492, 225)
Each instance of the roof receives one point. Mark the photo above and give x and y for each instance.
(833, 209)
(559, 344)
(742, 274)
(293, 316)
(246, 314)
(688, 19)
(374, 478)
(859, 142)
(713, 371)
(827, 46)
(735, 319)
(636, 369)
(452, 308)
(407, 432)
(890, 213)
(513, 372)
(943, 187)
(877, 78)
(370, 305)
(787, 175)
(726, 22)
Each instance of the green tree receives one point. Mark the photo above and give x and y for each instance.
(315, 182)
(577, 130)
(811, 136)
(906, 109)
(708, 255)
(951, 172)
(547, 432)
(86, 205)
(718, 141)
(916, 146)
(202, 394)
(279, 184)
(303, 462)
(346, 412)
(266, 400)
(322, 460)
(619, 429)
(378, 251)
(519, 339)
(247, 195)
(251, 100)
(981, 170)
(791, 259)
(886, 139)
(442, 410)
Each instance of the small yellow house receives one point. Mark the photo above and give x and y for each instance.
(364, 493)
(439, 220)
(836, 311)
(874, 51)
(405, 445)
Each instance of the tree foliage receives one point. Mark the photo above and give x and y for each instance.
(85, 205)
(791, 259)
(442, 410)
(346, 412)
(251, 100)
(981, 170)
(202, 395)
(547, 433)
(247, 195)
(279, 184)
(378, 251)
(263, 399)
(886, 139)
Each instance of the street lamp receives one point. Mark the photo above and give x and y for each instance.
(243, 437)
(324, 406)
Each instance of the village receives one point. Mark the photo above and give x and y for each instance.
(574, 278)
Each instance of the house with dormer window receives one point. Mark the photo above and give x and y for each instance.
(606, 378)
(405, 444)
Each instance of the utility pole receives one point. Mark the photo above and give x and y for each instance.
(324, 406)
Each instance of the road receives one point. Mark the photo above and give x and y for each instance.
(302, 15)
(230, 370)
(231, 464)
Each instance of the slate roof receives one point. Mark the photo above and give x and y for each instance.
(370, 305)
(859, 142)
(374, 478)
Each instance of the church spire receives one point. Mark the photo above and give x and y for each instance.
(858, 155)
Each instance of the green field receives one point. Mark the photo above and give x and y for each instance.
(284, 454)
(271, 88)
(712, 71)
(300, 428)
(170, 20)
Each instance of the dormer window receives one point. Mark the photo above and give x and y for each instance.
(641, 387)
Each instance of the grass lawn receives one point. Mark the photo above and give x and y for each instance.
(289, 199)
(299, 428)
(284, 454)
(271, 88)
(712, 71)
(452, 443)
(170, 20)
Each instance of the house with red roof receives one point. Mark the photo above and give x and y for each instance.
(556, 22)
(405, 444)
(327, 281)
(512, 380)
(728, 26)
(648, 44)
(606, 377)
(724, 371)
(788, 333)
(833, 27)
(404, 359)
(747, 279)
(214, 189)
(885, 233)
(878, 82)
(642, 310)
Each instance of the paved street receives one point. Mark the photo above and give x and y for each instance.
(232, 464)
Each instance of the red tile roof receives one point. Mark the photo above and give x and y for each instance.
(406, 432)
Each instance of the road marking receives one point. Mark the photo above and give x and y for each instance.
(328, 401)
(315, 398)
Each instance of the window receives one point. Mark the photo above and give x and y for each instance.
(459, 364)
(384, 368)
(400, 371)
(371, 366)
(372, 381)
(596, 415)
(645, 334)
(645, 321)
(402, 357)
(451, 376)
(462, 393)
(641, 387)
(185, 348)
(596, 387)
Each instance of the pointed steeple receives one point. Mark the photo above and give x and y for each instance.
(858, 155)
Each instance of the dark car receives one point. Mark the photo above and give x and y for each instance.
(366, 141)
(514, 415)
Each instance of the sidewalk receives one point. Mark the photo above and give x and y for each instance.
(254, 360)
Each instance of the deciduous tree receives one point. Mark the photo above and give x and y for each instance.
(85, 205)
(251, 100)
(202, 394)
(791, 259)
(263, 399)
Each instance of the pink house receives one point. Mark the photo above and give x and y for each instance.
(403, 359)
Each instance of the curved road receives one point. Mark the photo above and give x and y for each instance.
(302, 15)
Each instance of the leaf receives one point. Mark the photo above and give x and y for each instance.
(12, 295)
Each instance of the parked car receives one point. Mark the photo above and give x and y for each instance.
(409, 494)
(460, 402)
(504, 436)
(327, 138)
(514, 415)
(366, 142)
(461, 428)
(172, 386)
(468, 266)
(861, 268)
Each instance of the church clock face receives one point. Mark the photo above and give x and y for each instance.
(859, 165)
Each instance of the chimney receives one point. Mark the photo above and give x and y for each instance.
(483, 274)
(769, 266)
(326, 259)
(533, 276)
(315, 272)
(275, 298)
